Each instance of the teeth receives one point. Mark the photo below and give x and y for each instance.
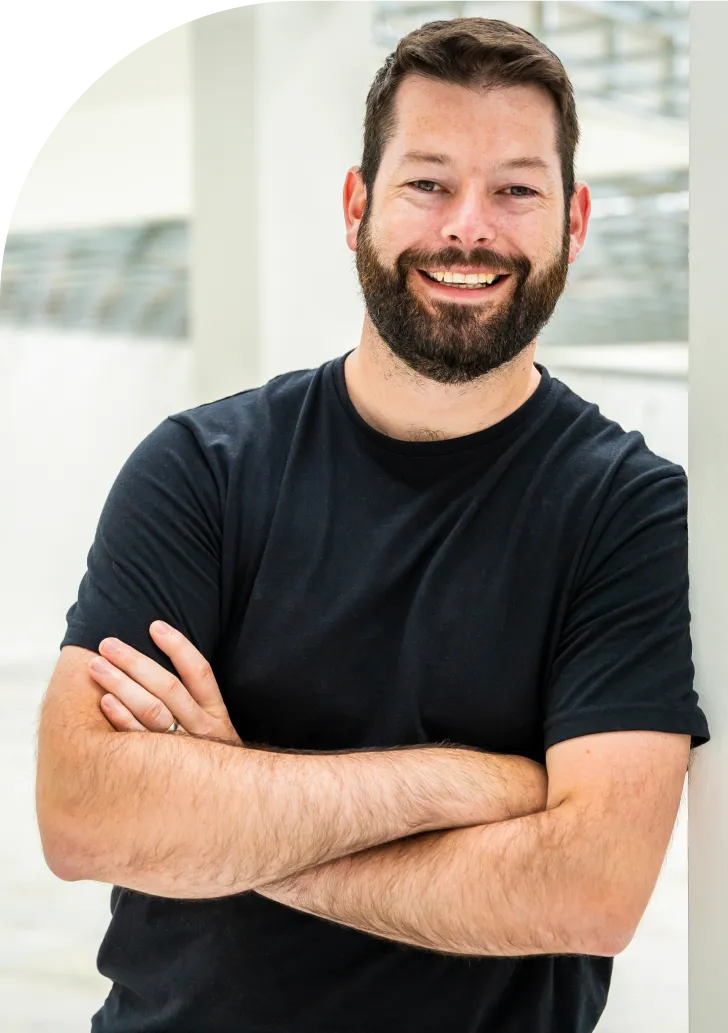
(463, 278)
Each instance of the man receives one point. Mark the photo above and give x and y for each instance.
(431, 770)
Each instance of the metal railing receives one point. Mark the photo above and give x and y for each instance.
(116, 279)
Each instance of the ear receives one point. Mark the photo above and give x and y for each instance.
(355, 199)
(579, 218)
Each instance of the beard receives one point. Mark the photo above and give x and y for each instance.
(460, 342)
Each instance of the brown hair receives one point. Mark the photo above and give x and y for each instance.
(471, 52)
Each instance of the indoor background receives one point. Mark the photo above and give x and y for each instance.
(179, 238)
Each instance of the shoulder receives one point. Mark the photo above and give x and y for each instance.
(619, 493)
(612, 461)
(205, 451)
(269, 408)
(257, 422)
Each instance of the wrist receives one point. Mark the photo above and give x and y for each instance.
(536, 787)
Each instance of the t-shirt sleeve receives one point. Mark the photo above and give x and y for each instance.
(623, 660)
(156, 552)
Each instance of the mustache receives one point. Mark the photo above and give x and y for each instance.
(414, 259)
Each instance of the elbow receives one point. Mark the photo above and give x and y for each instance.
(60, 852)
(606, 933)
(63, 841)
(620, 936)
(598, 919)
(610, 944)
(63, 867)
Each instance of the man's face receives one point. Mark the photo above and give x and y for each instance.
(469, 183)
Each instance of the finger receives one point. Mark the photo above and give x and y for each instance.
(144, 706)
(192, 667)
(119, 716)
(157, 682)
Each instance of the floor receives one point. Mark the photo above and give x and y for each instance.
(50, 930)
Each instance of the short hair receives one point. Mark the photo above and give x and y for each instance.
(470, 52)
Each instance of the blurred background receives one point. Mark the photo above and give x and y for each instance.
(180, 237)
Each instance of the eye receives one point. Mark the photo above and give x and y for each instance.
(418, 185)
(527, 191)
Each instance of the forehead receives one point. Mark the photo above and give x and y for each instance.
(476, 127)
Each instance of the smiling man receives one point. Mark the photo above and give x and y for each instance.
(455, 287)
(433, 701)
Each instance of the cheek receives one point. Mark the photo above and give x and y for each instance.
(408, 225)
(532, 224)
(539, 243)
(380, 240)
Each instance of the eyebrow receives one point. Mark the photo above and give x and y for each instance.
(524, 163)
(423, 156)
(535, 163)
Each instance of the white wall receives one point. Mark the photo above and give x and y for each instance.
(708, 508)
(122, 152)
(72, 408)
(615, 143)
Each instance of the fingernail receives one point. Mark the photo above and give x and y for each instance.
(161, 628)
(111, 645)
(100, 666)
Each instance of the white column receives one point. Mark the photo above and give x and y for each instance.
(316, 63)
(225, 246)
(279, 97)
(708, 441)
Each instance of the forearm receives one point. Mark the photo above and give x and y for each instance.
(519, 887)
(184, 817)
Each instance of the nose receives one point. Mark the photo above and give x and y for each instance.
(471, 220)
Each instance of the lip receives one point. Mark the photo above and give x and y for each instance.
(453, 292)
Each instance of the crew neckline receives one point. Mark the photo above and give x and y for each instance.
(479, 438)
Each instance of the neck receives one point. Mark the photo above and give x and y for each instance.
(403, 404)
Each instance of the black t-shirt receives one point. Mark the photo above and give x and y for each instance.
(508, 589)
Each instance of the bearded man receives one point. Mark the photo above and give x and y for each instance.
(417, 621)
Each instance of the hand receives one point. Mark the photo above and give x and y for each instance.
(141, 695)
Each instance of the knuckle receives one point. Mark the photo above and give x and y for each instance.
(202, 670)
(153, 713)
(174, 687)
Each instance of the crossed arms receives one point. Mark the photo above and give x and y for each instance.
(449, 849)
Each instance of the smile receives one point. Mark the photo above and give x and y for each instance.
(475, 283)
